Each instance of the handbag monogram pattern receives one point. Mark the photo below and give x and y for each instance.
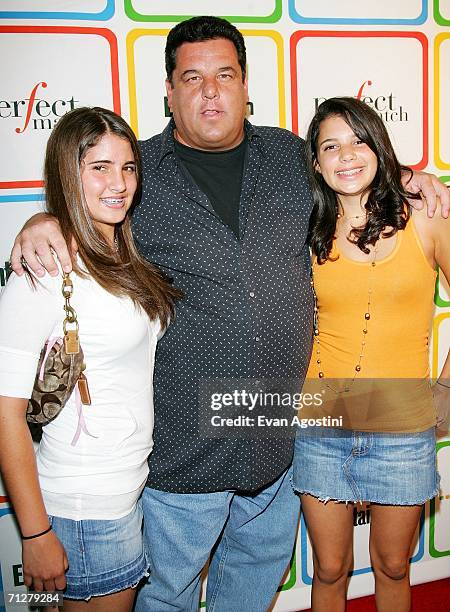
(60, 369)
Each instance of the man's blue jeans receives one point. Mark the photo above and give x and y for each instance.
(251, 537)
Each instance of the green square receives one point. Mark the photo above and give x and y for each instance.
(433, 550)
(292, 575)
(272, 18)
(437, 14)
(437, 298)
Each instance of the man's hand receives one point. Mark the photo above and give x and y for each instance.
(431, 190)
(39, 235)
(44, 563)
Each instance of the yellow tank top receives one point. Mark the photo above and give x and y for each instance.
(392, 391)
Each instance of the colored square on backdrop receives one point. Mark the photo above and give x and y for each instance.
(291, 577)
(2, 596)
(367, 12)
(11, 562)
(442, 101)
(146, 77)
(441, 333)
(375, 77)
(95, 10)
(49, 71)
(263, 11)
(442, 290)
(441, 11)
(14, 211)
(440, 506)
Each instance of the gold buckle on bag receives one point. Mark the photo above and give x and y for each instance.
(71, 338)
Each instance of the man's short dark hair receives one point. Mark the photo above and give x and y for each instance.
(198, 29)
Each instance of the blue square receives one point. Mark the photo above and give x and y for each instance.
(298, 18)
(103, 15)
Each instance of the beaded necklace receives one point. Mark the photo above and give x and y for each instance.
(365, 330)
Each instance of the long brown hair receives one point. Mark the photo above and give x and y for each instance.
(387, 201)
(122, 273)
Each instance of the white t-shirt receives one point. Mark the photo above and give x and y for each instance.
(99, 477)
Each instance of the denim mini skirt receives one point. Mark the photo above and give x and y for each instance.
(105, 556)
(354, 466)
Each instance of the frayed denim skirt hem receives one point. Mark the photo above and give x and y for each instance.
(105, 556)
(352, 466)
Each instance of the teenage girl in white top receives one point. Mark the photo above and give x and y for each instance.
(76, 500)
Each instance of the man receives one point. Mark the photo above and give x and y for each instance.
(224, 212)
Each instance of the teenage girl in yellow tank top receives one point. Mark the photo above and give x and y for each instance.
(373, 274)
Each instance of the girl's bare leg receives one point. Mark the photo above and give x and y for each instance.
(391, 534)
(117, 602)
(330, 527)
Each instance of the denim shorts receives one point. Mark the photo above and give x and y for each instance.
(354, 466)
(104, 556)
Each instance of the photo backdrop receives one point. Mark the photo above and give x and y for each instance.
(58, 55)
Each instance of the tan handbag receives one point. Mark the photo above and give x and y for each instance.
(60, 369)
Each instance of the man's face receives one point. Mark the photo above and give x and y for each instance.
(207, 96)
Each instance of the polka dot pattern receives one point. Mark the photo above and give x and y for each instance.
(247, 311)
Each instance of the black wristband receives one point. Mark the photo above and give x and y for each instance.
(442, 384)
(37, 535)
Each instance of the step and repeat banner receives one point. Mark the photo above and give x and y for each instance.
(59, 55)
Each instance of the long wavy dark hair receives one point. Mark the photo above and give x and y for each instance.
(386, 203)
(122, 273)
